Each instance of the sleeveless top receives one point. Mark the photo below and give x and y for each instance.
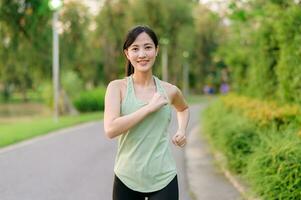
(144, 161)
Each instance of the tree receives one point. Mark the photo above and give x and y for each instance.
(78, 53)
(24, 25)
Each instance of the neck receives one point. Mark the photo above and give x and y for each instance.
(143, 79)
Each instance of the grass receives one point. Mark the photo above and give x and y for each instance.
(14, 132)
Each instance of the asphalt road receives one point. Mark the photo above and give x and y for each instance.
(72, 164)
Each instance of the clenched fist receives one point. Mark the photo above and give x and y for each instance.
(157, 102)
(179, 139)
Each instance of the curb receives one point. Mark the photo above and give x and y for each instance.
(192, 187)
(221, 163)
(237, 184)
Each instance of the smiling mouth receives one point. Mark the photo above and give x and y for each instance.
(142, 61)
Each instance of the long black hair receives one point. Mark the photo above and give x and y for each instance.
(131, 37)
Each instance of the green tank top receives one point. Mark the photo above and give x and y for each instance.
(144, 161)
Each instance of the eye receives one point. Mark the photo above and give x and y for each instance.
(134, 49)
(148, 47)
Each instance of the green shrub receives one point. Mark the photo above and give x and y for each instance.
(72, 83)
(92, 100)
(45, 91)
(240, 143)
(274, 170)
(267, 157)
(236, 140)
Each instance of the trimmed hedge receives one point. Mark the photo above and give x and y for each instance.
(92, 100)
(267, 157)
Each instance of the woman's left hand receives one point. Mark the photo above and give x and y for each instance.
(179, 139)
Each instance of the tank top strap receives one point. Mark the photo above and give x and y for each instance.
(129, 84)
(129, 88)
(160, 87)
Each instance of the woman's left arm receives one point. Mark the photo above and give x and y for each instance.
(182, 109)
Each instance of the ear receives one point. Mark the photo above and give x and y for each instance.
(126, 53)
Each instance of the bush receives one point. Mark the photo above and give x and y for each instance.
(72, 84)
(45, 91)
(92, 100)
(262, 112)
(267, 157)
(236, 140)
(275, 170)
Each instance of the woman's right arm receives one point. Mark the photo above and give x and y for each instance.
(114, 124)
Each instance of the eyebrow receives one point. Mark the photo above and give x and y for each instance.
(135, 45)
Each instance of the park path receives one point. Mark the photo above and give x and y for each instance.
(77, 164)
(71, 164)
(206, 180)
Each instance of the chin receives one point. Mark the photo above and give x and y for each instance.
(143, 69)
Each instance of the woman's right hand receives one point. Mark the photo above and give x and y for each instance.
(157, 102)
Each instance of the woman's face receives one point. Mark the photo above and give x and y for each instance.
(142, 53)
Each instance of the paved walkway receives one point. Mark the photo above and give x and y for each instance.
(206, 182)
(68, 164)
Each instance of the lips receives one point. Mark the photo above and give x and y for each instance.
(143, 62)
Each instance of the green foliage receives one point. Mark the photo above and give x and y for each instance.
(206, 39)
(289, 67)
(113, 23)
(262, 49)
(25, 32)
(92, 100)
(268, 158)
(91, 45)
(236, 140)
(78, 51)
(274, 170)
(72, 84)
(263, 64)
(45, 90)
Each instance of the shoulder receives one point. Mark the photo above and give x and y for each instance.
(118, 83)
(171, 90)
(117, 88)
(175, 96)
(169, 87)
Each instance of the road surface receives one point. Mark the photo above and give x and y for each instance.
(71, 164)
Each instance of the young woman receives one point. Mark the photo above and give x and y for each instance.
(138, 112)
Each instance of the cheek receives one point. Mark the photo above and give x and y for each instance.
(152, 54)
(132, 56)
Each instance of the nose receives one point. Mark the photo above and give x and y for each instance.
(141, 54)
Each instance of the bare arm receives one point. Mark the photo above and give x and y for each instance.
(114, 124)
(183, 115)
(183, 118)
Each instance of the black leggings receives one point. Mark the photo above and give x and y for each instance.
(122, 192)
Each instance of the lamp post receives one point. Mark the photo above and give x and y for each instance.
(185, 74)
(164, 42)
(55, 5)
